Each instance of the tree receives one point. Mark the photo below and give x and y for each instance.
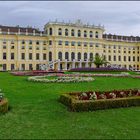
(99, 61)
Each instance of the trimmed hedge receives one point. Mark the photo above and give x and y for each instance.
(91, 105)
(4, 106)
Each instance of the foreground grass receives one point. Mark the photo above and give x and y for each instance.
(36, 113)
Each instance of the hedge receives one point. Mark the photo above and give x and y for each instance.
(91, 105)
(4, 106)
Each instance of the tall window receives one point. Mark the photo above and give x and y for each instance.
(50, 56)
(50, 31)
(90, 34)
(72, 56)
(50, 42)
(12, 56)
(79, 56)
(85, 56)
(22, 56)
(30, 42)
(85, 33)
(4, 56)
(66, 32)
(59, 42)
(60, 56)
(23, 42)
(30, 56)
(79, 33)
(44, 56)
(72, 32)
(119, 58)
(91, 56)
(59, 31)
(37, 42)
(37, 56)
(12, 66)
(67, 55)
(96, 35)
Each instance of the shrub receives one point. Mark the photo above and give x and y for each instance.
(4, 106)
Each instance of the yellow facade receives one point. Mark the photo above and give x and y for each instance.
(65, 46)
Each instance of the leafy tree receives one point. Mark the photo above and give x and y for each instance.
(99, 61)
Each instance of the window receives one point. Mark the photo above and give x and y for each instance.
(12, 47)
(85, 56)
(22, 56)
(30, 67)
(60, 56)
(37, 67)
(4, 47)
(96, 35)
(90, 34)
(4, 67)
(79, 33)
(109, 58)
(23, 42)
(79, 56)
(50, 42)
(114, 58)
(44, 56)
(37, 48)
(138, 58)
(72, 56)
(79, 43)
(85, 44)
(12, 56)
(66, 32)
(30, 47)
(59, 42)
(37, 56)
(85, 33)
(97, 45)
(37, 42)
(133, 58)
(30, 56)
(72, 32)
(91, 44)
(44, 48)
(12, 66)
(91, 56)
(124, 58)
(4, 42)
(50, 56)
(44, 42)
(50, 31)
(59, 31)
(67, 55)
(119, 58)
(129, 58)
(66, 43)
(12, 42)
(4, 56)
(22, 47)
(30, 42)
(22, 66)
(72, 43)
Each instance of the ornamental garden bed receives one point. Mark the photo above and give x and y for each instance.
(90, 101)
(59, 79)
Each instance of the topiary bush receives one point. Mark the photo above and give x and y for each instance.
(3, 103)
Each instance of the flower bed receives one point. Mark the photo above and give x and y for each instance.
(102, 69)
(89, 101)
(46, 79)
(3, 103)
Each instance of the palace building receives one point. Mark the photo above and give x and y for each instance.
(63, 46)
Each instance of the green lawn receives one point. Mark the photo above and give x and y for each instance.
(35, 112)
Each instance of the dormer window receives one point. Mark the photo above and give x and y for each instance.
(66, 32)
(72, 32)
(59, 31)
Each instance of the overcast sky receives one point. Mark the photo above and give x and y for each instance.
(117, 17)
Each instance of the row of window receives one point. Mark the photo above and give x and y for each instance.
(12, 56)
(23, 47)
(73, 33)
(124, 58)
(30, 42)
(119, 47)
(114, 51)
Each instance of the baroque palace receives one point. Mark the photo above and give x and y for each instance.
(63, 46)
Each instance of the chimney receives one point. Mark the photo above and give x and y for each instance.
(33, 32)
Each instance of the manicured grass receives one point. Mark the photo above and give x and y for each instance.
(35, 112)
